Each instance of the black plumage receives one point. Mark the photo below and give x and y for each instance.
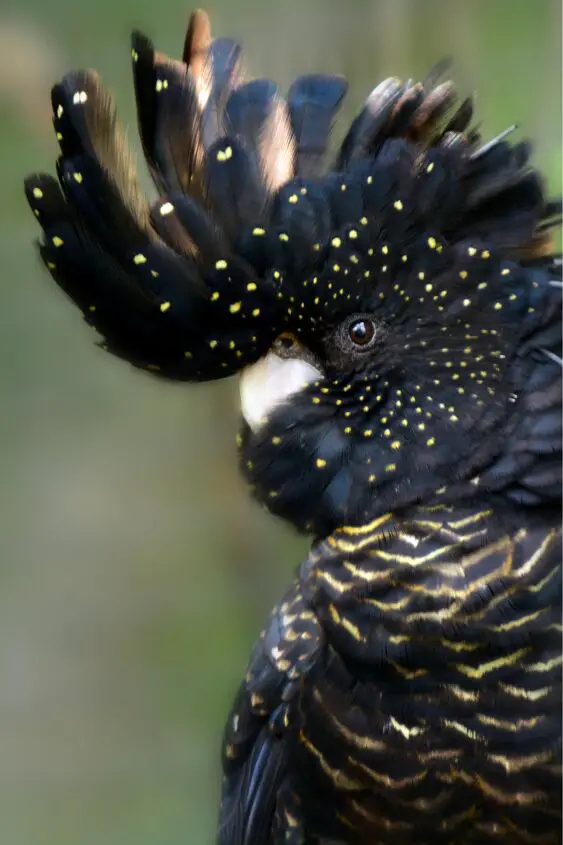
(408, 686)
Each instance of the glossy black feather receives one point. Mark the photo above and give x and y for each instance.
(256, 114)
(313, 101)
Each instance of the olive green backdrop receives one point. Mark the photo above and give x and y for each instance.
(134, 574)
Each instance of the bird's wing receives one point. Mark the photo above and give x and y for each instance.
(441, 710)
(256, 796)
(408, 686)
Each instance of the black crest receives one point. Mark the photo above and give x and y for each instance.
(254, 230)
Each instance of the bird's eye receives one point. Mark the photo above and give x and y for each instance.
(361, 332)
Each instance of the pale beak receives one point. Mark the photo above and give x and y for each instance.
(269, 383)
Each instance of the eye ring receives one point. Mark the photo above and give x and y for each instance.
(361, 331)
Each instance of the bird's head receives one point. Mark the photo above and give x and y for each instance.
(380, 312)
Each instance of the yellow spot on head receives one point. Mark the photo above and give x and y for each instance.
(421, 276)
(164, 306)
(336, 242)
(91, 308)
(251, 286)
(396, 444)
(256, 312)
(431, 441)
(57, 241)
(320, 463)
(398, 205)
(385, 249)
(466, 302)
(284, 237)
(368, 432)
(352, 234)
(258, 231)
(166, 208)
(276, 440)
(77, 177)
(485, 254)
(363, 221)
(498, 306)
(215, 296)
(472, 251)
(37, 193)
(505, 272)
(212, 344)
(139, 258)
(225, 155)
(432, 243)
(390, 467)
(60, 111)
(430, 167)
(293, 199)
(134, 55)
(236, 306)
(221, 265)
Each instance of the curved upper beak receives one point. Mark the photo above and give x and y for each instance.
(270, 382)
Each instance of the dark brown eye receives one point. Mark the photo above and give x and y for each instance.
(361, 332)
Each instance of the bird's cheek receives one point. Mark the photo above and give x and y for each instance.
(269, 383)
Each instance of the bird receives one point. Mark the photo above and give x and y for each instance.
(393, 313)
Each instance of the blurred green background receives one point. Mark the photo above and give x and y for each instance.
(134, 573)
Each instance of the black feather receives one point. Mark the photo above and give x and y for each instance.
(313, 102)
(256, 115)
(367, 127)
